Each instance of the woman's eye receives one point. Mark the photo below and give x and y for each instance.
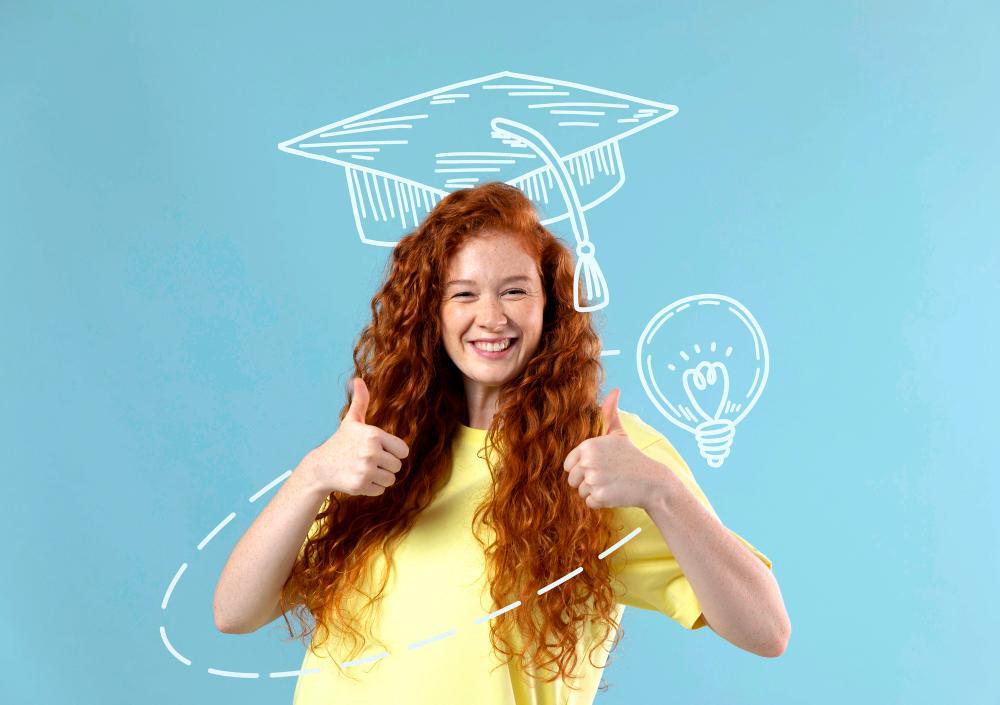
(509, 291)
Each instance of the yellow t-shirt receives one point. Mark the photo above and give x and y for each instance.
(438, 589)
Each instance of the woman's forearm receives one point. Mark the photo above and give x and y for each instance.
(259, 565)
(739, 595)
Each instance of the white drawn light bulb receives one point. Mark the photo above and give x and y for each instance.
(703, 362)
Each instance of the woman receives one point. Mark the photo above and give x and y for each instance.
(472, 468)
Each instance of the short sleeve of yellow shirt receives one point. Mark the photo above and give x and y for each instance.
(433, 643)
(652, 577)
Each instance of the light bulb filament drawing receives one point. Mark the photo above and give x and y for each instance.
(703, 376)
(714, 434)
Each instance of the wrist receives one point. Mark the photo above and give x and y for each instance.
(306, 477)
(664, 492)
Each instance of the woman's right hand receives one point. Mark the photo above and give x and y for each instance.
(358, 458)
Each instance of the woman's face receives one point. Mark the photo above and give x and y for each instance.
(493, 292)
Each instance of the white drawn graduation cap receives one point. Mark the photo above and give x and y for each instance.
(556, 141)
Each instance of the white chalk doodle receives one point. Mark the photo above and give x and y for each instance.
(402, 158)
(703, 362)
(397, 170)
(181, 658)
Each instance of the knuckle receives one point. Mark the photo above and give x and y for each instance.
(357, 487)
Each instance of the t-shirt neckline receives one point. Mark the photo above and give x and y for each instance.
(471, 434)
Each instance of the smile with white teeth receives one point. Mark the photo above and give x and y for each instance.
(492, 347)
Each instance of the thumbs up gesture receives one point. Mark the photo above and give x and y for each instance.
(608, 470)
(358, 458)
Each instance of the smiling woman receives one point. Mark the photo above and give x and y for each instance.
(491, 317)
(478, 360)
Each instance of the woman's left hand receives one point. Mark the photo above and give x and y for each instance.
(609, 470)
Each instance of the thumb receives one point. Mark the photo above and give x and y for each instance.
(359, 401)
(609, 410)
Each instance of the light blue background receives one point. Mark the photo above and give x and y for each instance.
(180, 300)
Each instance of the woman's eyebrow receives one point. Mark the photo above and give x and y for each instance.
(519, 277)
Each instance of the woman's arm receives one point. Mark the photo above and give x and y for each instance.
(739, 595)
(246, 596)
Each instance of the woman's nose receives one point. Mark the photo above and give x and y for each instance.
(490, 313)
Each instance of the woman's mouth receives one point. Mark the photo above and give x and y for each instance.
(489, 350)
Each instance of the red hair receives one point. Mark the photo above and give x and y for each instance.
(543, 528)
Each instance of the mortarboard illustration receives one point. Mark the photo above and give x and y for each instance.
(558, 142)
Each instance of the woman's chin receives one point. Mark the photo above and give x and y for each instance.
(492, 378)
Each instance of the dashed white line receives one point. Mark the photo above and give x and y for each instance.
(217, 529)
(561, 580)
(500, 611)
(291, 674)
(414, 645)
(366, 659)
(232, 674)
(170, 588)
(618, 545)
(170, 647)
(436, 637)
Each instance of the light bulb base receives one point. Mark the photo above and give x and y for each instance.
(715, 440)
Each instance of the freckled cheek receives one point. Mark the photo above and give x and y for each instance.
(453, 330)
(450, 322)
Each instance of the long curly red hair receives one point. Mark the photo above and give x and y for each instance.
(543, 528)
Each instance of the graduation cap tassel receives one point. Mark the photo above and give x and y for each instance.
(597, 293)
(596, 285)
